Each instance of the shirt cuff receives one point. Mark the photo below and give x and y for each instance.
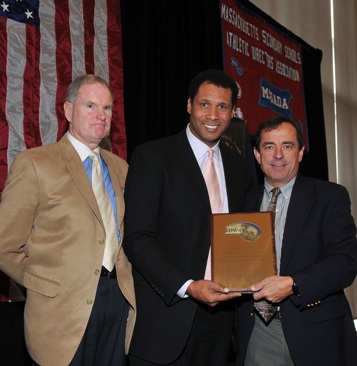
(182, 291)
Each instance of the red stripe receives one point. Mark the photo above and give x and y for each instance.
(3, 298)
(115, 60)
(4, 287)
(89, 32)
(63, 61)
(4, 128)
(31, 90)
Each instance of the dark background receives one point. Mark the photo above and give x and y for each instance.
(167, 42)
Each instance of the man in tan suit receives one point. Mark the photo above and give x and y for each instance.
(52, 240)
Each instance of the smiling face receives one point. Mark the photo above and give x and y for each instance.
(210, 112)
(279, 154)
(90, 115)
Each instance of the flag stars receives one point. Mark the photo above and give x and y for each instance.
(5, 7)
(29, 14)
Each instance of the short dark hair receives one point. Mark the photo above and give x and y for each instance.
(73, 89)
(273, 123)
(215, 77)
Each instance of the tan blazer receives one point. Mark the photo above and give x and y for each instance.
(51, 236)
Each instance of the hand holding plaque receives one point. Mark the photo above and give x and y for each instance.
(243, 249)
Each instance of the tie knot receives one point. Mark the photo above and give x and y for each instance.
(210, 153)
(94, 156)
(275, 191)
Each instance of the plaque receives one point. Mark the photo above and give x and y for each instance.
(242, 249)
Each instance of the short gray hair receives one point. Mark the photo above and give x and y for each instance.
(73, 89)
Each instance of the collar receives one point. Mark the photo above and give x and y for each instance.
(286, 189)
(200, 148)
(82, 150)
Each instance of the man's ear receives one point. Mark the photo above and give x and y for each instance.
(301, 153)
(67, 106)
(189, 106)
(256, 154)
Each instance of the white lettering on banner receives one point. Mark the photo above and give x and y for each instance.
(231, 16)
(257, 55)
(275, 99)
(287, 71)
(237, 43)
(272, 42)
(292, 55)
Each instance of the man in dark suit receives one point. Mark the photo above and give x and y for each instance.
(316, 252)
(183, 319)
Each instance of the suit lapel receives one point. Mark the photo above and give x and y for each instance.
(254, 199)
(231, 183)
(76, 169)
(300, 204)
(187, 162)
(234, 184)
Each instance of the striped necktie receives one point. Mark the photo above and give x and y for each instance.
(265, 309)
(111, 240)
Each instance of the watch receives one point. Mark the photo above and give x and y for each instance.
(295, 289)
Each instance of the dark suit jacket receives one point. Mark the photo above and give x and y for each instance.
(320, 252)
(167, 227)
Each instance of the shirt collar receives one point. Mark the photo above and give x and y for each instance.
(285, 189)
(82, 150)
(200, 148)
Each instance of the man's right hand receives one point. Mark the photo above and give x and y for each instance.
(210, 293)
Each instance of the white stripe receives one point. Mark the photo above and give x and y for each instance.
(101, 66)
(76, 24)
(48, 87)
(16, 62)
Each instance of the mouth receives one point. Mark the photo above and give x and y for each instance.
(211, 128)
(278, 165)
(99, 124)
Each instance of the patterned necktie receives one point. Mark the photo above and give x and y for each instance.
(214, 192)
(111, 241)
(265, 309)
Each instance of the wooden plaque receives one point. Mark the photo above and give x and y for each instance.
(242, 249)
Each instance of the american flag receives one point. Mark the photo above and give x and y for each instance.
(44, 45)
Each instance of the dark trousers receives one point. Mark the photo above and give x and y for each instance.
(209, 341)
(12, 341)
(103, 340)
